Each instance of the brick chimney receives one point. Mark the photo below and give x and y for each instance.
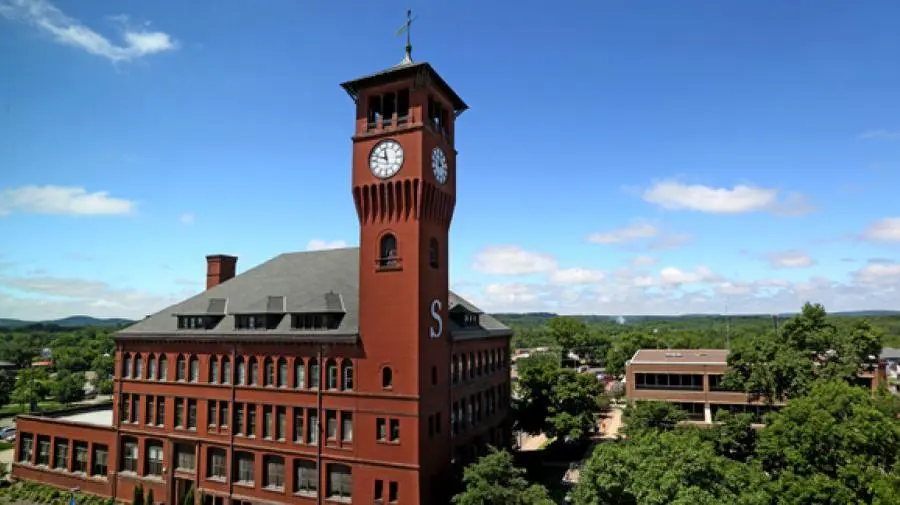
(219, 268)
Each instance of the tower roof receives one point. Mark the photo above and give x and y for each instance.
(405, 70)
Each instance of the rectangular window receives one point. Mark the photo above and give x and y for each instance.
(282, 373)
(238, 428)
(148, 410)
(216, 468)
(80, 463)
(347, 426)
(298, 425)
(395, 430)
(211, 410)
(61, 454)
(381, 429)
(280, 423)
(306, 481)
(26, 447)
(379, 491)
(154, 459)
(101, 452)
(124, 408)
(129, 456)
(269, 378)
(274, 469)
(43, 456)
(251, 421)
(179, 412)
(312, 429)
(314, 375)
(192, 414)
(135, 404)
(393, 491)
(185, 458)
(244, 468)
(331, 425)
(223, 414)
(340, 482)
(267, 421)
(299, 374)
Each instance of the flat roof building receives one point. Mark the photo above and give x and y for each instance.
(692, 378)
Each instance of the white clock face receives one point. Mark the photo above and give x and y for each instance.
(439, 165)
(386, 159)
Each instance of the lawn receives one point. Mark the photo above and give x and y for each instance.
(13, 408)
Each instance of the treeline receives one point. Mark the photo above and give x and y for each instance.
(73, 351)
(701, 331)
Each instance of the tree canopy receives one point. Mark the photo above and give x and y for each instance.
(495, 480)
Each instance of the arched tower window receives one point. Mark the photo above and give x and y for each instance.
(388, 255)
(163, 368)
(387, 377)
(433, 252)
(213, 371)
(126, 366)
(346, 375)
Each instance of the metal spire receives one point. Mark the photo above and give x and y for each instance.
(407, 28)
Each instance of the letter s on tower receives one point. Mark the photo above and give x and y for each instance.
(436, 315)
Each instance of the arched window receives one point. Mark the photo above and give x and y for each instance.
(126, 366)
(151, 368)
(331, 375)
(471, 365)
(387, 377)
(299, 373)
(269, 377)
(282, 373)
(433, 252)
(347, 375)
(480, 363)
(226, 370)
(253, 378)
(314, 373)
(180, 368)
(138, 366)
(163, 368)
(195, 369)
(388, 256)
(241, 371)
(213, 370)
(454, 369)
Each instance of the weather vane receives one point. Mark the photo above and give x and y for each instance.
(407, 28)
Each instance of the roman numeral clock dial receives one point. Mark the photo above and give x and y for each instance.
(386, 159)
(439, 165)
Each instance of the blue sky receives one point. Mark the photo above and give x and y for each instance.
(619, 157)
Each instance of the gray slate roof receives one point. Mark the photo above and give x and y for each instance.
(301, 282)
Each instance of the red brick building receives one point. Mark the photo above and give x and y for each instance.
(349, 375)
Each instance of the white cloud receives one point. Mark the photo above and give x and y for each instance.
(512, 260)
(187, 219)
(670, 241)
(137, 42)
(635, 231)
(671, 276)
(880, 135)
(674, 195)
(884, 230)
(575, 276)
(790, 259)
(643, 261)
(320, 245)
(43, 297)
(61, 200)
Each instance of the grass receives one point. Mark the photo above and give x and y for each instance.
(6, 446)
(14, 409)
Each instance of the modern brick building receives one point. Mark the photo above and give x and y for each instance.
(692, 378)
(349, 375)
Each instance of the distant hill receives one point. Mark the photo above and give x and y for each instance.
(66, 322)
(538, 317)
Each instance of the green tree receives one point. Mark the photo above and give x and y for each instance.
(149, 499)
(834, 438)
(733, 435)
(624, 348)
(574, 401)
(537, 377)
(32, 386)
(7, 384)
(642, 416)
(494, 480)
(667, 468)
(67, 387)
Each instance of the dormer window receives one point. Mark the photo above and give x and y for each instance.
(196, 322)
(256, 321)
(315, 321)
(388, 256)
(466, 319)
(470, 320)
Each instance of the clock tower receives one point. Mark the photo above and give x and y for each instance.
(404, 190)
